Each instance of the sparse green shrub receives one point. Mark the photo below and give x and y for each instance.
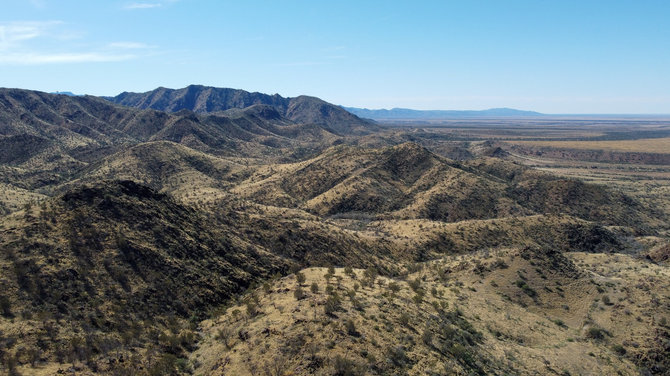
(525, 288)
(300, 278)
(394, 287)
(252, 308)
(345, 367)
(314, 288)
(418, 298)
(415, 285)
(224, 335)
(299, 293)
(332, 305)
(606, 300)
(427, 337)
(397, 356)
(404, 319)
(351, 328)
(596, 333)
(620, 350)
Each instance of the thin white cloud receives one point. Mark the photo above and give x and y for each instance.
(299, 64)
(130, 45)
(133, 6)
(61, 58)
(148, 4)
(47, 42)
(14, 33)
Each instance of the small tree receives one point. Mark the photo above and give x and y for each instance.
(314, 288)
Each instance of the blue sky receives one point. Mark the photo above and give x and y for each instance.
(551, 56)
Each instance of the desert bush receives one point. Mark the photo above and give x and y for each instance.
(224, 335)
(404, 319)
(332, 305)
(252, 308)
(299, 293)
(427, 337)
(300, 277)
(351, 328)
(596, 333)
(619, 349)
(394, 287)
(415, 284)
(314, 288)
(166, 365)
(345, 367)
(397, 356)
(525, 288)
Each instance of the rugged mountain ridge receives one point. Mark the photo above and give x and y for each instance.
(204, 99)
(52, 139)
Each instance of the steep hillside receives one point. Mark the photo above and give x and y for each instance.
(204, 99)
(508, 311)
(99, 263)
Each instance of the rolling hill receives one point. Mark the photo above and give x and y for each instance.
(409, 182)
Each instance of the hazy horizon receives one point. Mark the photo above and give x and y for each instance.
(558, 58)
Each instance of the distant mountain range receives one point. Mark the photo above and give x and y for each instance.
(405, 113)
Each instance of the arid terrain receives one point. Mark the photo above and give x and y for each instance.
(213, 231)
